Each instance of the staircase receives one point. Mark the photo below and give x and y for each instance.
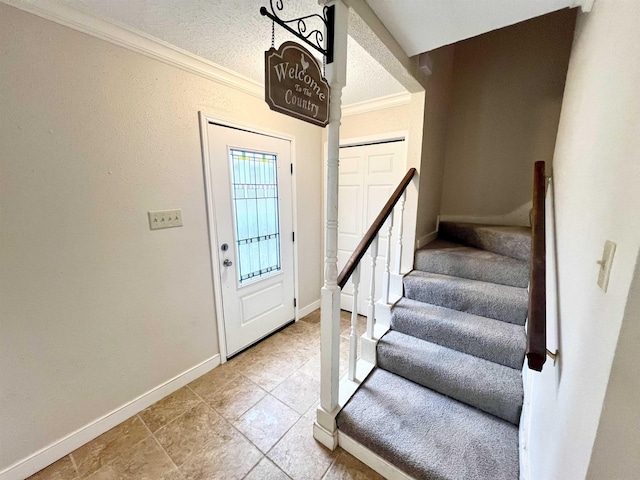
(445, 399)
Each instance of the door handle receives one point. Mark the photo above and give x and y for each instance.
(227, 262)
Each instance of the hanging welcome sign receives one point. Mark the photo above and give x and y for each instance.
(294, 84)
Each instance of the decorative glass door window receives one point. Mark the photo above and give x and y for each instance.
(254, 185)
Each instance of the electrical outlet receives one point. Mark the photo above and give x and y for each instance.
(605, 264)
(165, 219)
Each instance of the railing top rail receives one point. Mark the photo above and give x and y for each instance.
(537, 322)
(375, 227)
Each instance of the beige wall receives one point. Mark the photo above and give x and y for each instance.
(507, 93)
(95, 309)
(378, 122)
(616, 451)
(596, 174)
(436, 115)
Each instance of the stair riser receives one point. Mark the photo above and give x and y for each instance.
(509, 271)
(511, 244)
(488, 387)
(472, 335)
(478, 299)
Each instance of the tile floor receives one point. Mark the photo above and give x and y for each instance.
(250, 418)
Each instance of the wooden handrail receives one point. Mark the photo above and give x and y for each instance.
(537, 322)
(365, 243)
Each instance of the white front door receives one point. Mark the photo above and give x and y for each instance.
(252, 206)
(368, 176)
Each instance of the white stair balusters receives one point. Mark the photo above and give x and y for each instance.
(371, 307)
(386, 279)
(353, 338)
(398, 262)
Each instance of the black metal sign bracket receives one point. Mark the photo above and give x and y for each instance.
(298, 27)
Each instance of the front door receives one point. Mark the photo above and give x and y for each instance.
(252, 205)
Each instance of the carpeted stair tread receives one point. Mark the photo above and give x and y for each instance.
(454, 259)
(511, 241)
(486, 338)
(490, 387)
(501, 302)
(429, 435)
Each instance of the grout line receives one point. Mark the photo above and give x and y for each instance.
(333, 462)
(166, 453)
(255, 466)
(195, 393)
(73, 462)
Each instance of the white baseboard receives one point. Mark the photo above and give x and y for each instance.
(369, 458)
(304, 311)
(426, 239)
(36, 462)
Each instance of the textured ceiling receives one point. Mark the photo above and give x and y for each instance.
(234, 35)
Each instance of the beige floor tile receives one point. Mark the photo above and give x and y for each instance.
(266, 422)
(210, 382)
(345, 320)
(361, 327)
(145, 461)
(235, 398)
(299, 455)
(313, 317)
(303, 331)
(63, 469)
(268, 371)
(312, 412)
(312, 367)
(110, 445)
(347, 467)
(254, 356)
(266, 470)
(229, 456)
(190, 432)
(299, 391)
(171, 406)
(277, 344)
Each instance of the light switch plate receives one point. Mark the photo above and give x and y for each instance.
(165, 219)
(605, 264)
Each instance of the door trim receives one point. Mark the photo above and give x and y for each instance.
(205, 119)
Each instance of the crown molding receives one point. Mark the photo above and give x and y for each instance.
(395, 100)
(139, 42)
(149, 46)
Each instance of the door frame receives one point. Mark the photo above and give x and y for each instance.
(214, 250)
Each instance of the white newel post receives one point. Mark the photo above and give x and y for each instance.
(324, 429)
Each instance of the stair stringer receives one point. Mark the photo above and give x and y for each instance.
(371, 459)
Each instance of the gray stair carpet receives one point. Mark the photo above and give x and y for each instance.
(486, 338)
(447, 258)
(445, 398)
(492, 388)
(429, 435)
(485, 299)
(511, 241)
